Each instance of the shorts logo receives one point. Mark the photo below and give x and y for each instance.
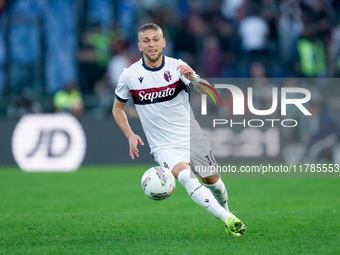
(167, 76)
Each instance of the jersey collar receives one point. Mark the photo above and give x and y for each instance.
(153, 69)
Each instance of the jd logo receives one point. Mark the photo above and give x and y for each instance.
(48, 142)
(51, 137)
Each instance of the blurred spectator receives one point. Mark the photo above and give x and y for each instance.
(311, 47)
(312, 58)
(230, 8)
(270, 12)
(22, 104)
(69, 100)
(93, 56)
(189, 34)
(101, 41)
(290, 22)
(322, 143)
(120, 60)
(104, 88)
(254, 31)
(104, 91)
(262, 87)
(317, 20)
(213, 12)
(212, 57)
(225, 33)
(334, 52)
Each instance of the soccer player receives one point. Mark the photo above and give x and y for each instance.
(159, 87)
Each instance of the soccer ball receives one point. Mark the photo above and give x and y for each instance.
(158, 183)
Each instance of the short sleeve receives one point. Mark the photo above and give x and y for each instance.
(122, 91)
(186, 81)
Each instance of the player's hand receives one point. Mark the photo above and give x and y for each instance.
(134, 140)
(187, 72)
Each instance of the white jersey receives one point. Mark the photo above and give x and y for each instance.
(162, 102)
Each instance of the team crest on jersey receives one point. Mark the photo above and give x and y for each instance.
(167, 76)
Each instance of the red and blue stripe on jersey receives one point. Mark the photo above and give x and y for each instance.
(157, 94)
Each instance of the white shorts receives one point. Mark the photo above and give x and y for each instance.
(201, 160)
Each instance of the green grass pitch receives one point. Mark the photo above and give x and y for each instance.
(102, 210)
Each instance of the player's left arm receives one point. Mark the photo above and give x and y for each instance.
(122, 121)
(200, 85)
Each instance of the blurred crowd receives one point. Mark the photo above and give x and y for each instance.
(47, 45)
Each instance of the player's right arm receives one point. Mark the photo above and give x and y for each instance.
(200, 85)
(122, 121)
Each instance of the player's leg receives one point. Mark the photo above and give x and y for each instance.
(204, 164)
(217, 187)
(198, 192)
(234, 226)
(204, 198)
(175, 159)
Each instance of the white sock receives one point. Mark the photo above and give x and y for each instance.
(220, 193)
(201, 195)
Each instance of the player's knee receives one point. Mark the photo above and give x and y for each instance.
(211, 179)
(179, 167)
